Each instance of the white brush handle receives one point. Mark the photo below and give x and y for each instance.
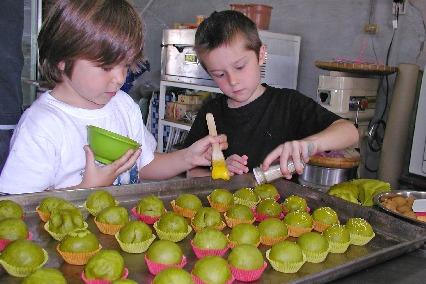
(217, 153)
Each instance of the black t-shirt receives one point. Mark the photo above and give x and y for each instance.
(277, 116)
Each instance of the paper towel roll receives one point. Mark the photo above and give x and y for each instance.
(395, 139)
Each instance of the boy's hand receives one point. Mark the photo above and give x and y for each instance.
(97, 175)
(237, 164)
(200, 153)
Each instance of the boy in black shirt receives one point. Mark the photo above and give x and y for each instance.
(262, 123)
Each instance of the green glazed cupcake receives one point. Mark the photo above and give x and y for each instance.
(105, 265)
(12, 229)
(338, 238)
(298, 223)
(286, 257)
(221, 199)
(10, 209)
(244, 234)
(212, 269)
(314, 246)
(64, 221)
(99, 200)
(266, 191)
(207, 217)
(324, 217)
(360, 231)
(246, 196)
(294, 203)
(272, 230)
(45, 275)
(173, 275)
(135, 237)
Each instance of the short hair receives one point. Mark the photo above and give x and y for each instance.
(222, 27)
(107, 32)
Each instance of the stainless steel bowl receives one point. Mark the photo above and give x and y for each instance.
(404, 193)
(322, 177)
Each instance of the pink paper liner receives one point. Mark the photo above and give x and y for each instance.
(155, 268)
(248, 275)
(144, 218)
(200, 252)
(420, 213)
(102, 281)
(260, 217)
(197, 279)
(5, 242)
(277, 197)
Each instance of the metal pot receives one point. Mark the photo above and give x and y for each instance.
(322, 177)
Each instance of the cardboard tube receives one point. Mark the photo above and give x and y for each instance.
(396, 134)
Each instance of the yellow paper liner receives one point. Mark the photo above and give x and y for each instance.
(320, 227)
(77, 258)
(294, 231)
(139, 247)
(43, 215)
(94, 212)
(219, 227)
(171, 236)
(23, 271)
(359, 240)
(108, 229)
(270, 241)
(248, 203)
(285, 267)
(336, 247)
(233, 244)
(185, 212)
(315, 257)
(231, 222)
(219, 207)
(60, 236)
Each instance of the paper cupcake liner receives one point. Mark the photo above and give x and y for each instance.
(421, 218)
(336, 247)
(44, 216)
(5, 242)
(171, 236)
(231, 222)
(219, 227)
(270, 241)
(155, 268)
(248, 275)
(108, 229)
(315, 257)
(219, 207)
(198, 280)
(320, 227)
(285, 267)
(233, 244)
(77, 258)
(201, 252)
(60, 236)
(185, 212)
(260, 217)
(359, 240)
(102, 281)
(94, 212)
(145, 218)
(294, 231)
(135, 247)
(251, 204)
(23, 271)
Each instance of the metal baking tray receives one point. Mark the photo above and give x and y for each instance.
(405, 193)
(394, 236)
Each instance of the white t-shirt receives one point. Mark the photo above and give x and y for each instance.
(47, 145)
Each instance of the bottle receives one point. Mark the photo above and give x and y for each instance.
(273, 173)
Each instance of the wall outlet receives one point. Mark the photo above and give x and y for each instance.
(371, 28)
(399, 4)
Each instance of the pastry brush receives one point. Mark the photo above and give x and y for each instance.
(219, 168)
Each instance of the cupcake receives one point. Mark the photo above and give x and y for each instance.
(10, 209)
(172, 227)
(186, 205)
(149, 209)
(135, 237)
(267, 191)
(294, 203)
(110, 220)
(48, 204)
(99, 200)
(22, 257)
(221, 199)
(272, 230)
(246, 262)
(173, 275)
(323, 218)
(360, 231)
(298, 222)
(338, 238)
(314, 246)
(106, 265)
(209, 242)
(64, 221)
(268, 208)
(207, 217)
(286, 257)
(212, 269)
(45, 275)
(78, 247)
(246, 196)
(163, 254)
(238, 214)
(12, 229)
(244, 234)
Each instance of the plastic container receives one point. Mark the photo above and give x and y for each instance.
(258, 13)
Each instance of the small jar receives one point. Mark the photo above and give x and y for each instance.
(273, 173)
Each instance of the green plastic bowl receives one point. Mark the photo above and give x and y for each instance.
(108, 146)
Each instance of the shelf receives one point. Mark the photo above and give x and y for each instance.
(191, 86)
(176, 124)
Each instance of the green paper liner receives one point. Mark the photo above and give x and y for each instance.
(285, 267)
(315, 257)
(359, 240)
(336, 247)
(77, 258)
(43, 215)
(294, 231)
(170, 236)
(251, 204)
(94, 212)
(219, 227)
(219, 207)
(108, 229)
(185, 212)
(135, 247)
(231, 222)
(60, 236)
(23, 271)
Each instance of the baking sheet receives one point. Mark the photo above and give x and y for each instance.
(393, 236)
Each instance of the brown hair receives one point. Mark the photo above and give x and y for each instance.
(222, 27)
(103, 31)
